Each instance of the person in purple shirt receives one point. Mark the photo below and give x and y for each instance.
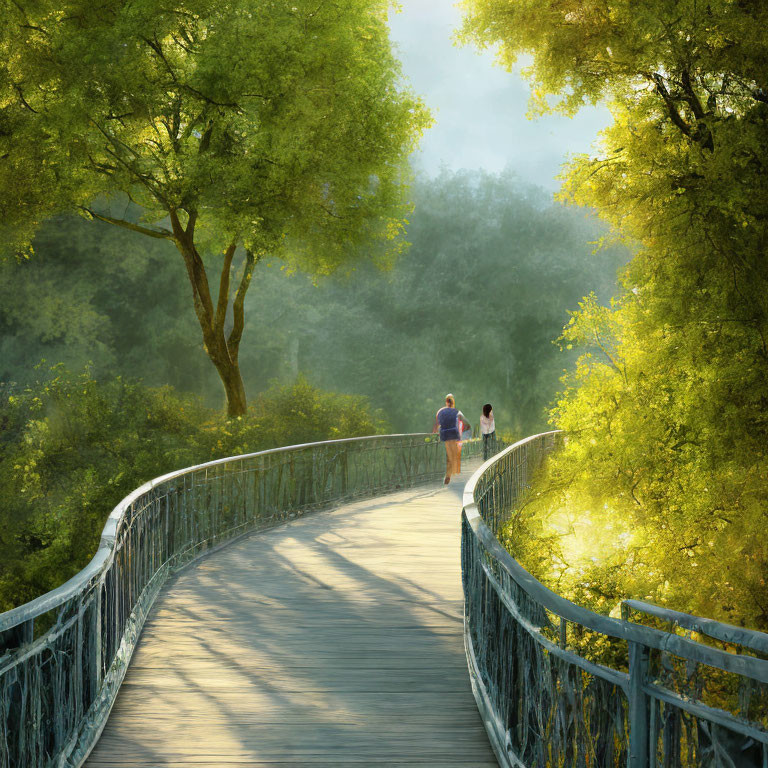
(451, 422)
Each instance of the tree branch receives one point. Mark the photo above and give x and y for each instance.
(145, 179)
(18, 90)
(233, 341)
(330, 212)
(191, 221)
(199, 281)
(222, 301)
(692, 98)
(703, 133)
(674, 114)
(205, 139)
(158, 49)
(160, 234)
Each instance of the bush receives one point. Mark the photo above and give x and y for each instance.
(597, 546)
(71, 447)
(292, 414)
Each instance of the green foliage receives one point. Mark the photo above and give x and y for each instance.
(98, 295)
(71, 447)
(292, 414)
(660, 469)
(475, 305)
(273, 128)
(666, 409)
(262, 120)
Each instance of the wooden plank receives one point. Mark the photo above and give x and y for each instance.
(336, 638)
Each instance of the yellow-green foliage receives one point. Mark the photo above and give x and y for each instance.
(254, 122)
(664, 475)
(71, 447)
(659, 492)
(292, 414)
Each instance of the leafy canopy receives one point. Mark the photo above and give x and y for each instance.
(261, 122)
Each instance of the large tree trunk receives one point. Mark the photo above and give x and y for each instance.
(223, 350)
(234, 389)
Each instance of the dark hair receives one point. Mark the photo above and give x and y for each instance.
(487, 410)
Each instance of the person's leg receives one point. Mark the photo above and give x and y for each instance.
(451, 448)
(458, 458)
(485, 447)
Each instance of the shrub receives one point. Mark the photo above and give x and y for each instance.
(72, 446)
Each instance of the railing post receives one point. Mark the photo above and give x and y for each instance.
(344, 471)
(638, 706)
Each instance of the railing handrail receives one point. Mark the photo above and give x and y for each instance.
(717, 630)
(55, 597)
(607, 625)
(468, 498)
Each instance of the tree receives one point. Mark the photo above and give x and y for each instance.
(667, 406)
(682, 169)
(238, 128)
(492, 266)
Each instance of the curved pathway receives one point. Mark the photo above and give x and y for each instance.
(334, 639)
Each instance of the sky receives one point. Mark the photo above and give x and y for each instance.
(479, 108)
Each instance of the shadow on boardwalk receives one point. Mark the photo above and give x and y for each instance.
(334, 639)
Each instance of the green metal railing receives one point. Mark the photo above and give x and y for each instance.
(560, 686)
(64, 655)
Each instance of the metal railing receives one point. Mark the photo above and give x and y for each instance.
(559, 685)
(64, 655)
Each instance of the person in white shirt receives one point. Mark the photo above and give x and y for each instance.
(488, 431)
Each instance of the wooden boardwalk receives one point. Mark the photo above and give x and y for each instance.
(333, 639)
